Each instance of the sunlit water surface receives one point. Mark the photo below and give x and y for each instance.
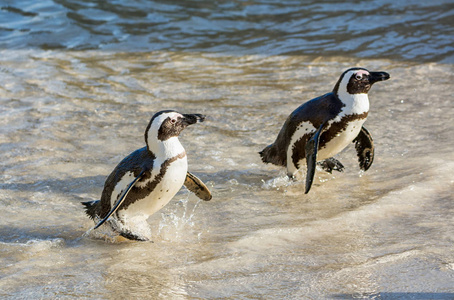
(68, 117)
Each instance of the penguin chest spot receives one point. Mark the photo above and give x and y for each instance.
(158, 196)
(171, 183)
(340, 139)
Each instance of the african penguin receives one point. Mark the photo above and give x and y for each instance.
(147, 179)
(324, 126)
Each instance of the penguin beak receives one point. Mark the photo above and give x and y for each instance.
(378, 76)
(189, 119)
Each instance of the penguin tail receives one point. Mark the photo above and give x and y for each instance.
(270, 155)
(91, 208)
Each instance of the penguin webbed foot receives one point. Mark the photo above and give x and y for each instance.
(331, 164)
(131, 236)
(291, 177)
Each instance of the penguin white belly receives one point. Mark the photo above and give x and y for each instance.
(341, 140)
(163, 192)
(333, 147)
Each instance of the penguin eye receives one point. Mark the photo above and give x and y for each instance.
(173, 121)
(359, 76)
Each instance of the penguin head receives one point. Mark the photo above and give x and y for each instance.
(358, 81)
(167, 124)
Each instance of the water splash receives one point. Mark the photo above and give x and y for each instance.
(104, 233)
(107, 234)
(282, 181)
(174, 225)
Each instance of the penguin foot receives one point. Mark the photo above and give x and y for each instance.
(291, 177)
(130, 236)
(331, 164)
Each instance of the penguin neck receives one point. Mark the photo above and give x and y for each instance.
(166, 149)
(354, 103)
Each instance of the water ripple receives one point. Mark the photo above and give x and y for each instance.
(386, 29)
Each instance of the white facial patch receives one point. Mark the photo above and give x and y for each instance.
(162, 117)
(362, 73)
(154, 128)
(342, 91)
(354, 103)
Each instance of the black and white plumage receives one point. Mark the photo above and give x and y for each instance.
(324, 126)
(147, 179)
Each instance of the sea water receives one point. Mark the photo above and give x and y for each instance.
(79, 81)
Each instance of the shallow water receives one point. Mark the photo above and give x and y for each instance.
(69, 115)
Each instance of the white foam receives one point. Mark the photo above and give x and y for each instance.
(174, 223)
(37, 245)
(277, 182)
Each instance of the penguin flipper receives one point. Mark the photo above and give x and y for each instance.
(196, 186)
(120, 199)
(364, 145)
(311, 157)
